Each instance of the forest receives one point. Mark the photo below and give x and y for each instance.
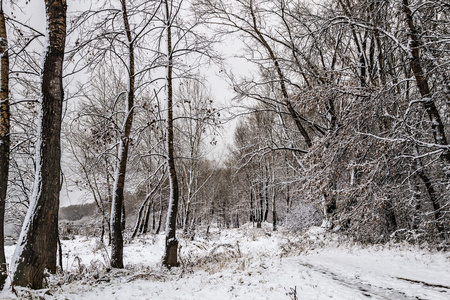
(331, 113)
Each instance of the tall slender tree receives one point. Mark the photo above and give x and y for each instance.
(4, 138)
(119, 181)
(170, 258)
(415, 61)
(36, 248)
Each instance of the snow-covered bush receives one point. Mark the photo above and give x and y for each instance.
(302, 216)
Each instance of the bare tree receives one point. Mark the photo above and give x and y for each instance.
(36, 248)
(117, 206)
(4, 138)
(170, 258)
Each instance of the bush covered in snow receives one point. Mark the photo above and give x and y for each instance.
(302, 216)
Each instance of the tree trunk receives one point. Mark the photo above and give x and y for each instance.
(389, 216)
(252, 210)
(117, 207)
(187, 214)
(138, 225)
(153, 218)
(433, 199)
(288, 199)
(147, 216)
(36, 248)
(159, 219)
(60, 254)
(274, 207)
(261, 204)
(437, 125)
(170, 258)
(266, 195)
(4, 139)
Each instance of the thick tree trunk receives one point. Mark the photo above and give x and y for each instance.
(117, 207)
(170, 258)
(36, 247)
(4, 139)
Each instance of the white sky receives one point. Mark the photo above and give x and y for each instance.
(33, 14)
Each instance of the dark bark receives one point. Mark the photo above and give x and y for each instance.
(153, 218)
(159, 217)
(360, 46)
(261, 204)
(147, 217)
(60, 255)
(117, 207)
(415, 62)
(138, 225)
(288, 198)
(37, 245)
(274, 216)
(170, 258)
(266, 195)
(187, 217)
(141, 225)
(274, 209)
(252, 210)
(4, 139)
(433, 199)
(389, 215)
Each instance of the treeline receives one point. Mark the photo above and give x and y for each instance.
(351, 111)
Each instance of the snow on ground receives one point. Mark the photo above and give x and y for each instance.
(249, 263)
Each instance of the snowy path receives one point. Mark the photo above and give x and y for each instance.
(251, 264)
(384, 274)
(368, 289)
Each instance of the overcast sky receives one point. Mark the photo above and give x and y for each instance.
(33, 14)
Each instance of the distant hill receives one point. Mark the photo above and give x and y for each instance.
(77, 212)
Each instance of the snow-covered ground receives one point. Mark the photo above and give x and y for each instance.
(249, 263)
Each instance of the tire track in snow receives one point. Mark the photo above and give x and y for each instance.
(366, 289)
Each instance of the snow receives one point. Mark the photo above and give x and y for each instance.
(250, 263)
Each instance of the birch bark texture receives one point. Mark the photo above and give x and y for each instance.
(37, 245)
